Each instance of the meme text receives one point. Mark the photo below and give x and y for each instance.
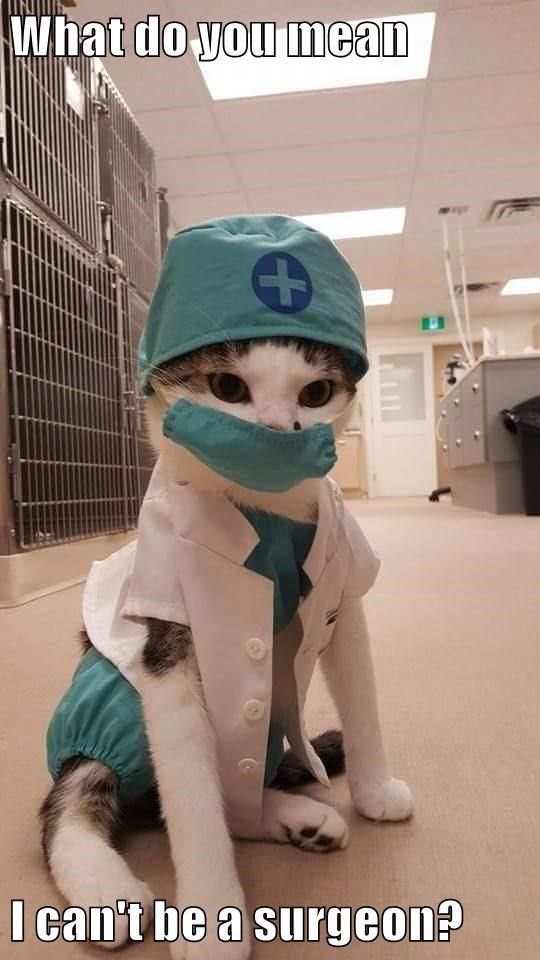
(40, 36)
(337, 926)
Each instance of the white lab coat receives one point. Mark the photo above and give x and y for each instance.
(187, 566)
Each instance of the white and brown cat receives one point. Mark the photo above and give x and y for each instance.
(286, 384)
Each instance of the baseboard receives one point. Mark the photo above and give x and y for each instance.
(35, 573)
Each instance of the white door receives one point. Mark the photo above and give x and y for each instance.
(403, 456)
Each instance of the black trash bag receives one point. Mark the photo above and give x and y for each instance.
(524, 420)
(524, 416)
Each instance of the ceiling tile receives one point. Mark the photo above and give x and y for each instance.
(185, 176)
(376, 316)
(375, 259)
(479, 148)
(347, 161)
(475, 188)
(422, 267)
(480, 103)
(528, 305)
(327, 117)
(188, 210)
(157, 83)
(331, 197)
(466, 4)
(131, 11)
(181, 133)
(494, 39)
(258, 10)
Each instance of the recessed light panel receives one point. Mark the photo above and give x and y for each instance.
(521, 285)
(377, 298)
(231, 77)
(347, 224)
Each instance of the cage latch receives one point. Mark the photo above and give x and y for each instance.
(14, 471)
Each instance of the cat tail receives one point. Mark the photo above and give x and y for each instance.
(328, 746)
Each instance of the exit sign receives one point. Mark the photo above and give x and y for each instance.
(432, 323)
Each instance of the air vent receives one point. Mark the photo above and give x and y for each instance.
(476, 287)
(519, 210)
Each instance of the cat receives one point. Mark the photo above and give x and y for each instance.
(287, 384)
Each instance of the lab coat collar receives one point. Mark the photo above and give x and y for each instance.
(214, 522)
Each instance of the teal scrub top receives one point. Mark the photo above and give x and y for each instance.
(100, 716)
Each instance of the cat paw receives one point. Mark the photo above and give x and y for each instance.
(391, 800)
(106, 892)
(212, 948)
(306, 823)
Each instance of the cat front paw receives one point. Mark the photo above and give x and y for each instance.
(212, 948)
(390, 800)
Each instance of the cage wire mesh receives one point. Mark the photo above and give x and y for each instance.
(128, 188)
(50, 144)
(69, 434)
(139, 455)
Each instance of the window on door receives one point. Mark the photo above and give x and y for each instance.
(402, 387)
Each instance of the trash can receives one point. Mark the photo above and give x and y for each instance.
(524, 420)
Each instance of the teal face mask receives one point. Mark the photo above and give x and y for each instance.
(247, 453)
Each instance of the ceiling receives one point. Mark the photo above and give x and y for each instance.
(468, 135)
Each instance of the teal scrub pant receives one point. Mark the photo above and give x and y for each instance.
(100, 717)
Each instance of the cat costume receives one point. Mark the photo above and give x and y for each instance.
(261, 593)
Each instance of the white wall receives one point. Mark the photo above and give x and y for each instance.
(516, 330)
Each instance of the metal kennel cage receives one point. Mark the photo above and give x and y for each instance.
(78, 459)
(139, 456)
(128, 191)
(49, 147)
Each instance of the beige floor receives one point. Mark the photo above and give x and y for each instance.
(455, 621)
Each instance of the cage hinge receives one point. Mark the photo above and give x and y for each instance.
(5, 270)
(14, 471)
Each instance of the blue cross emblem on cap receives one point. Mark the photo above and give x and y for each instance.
(282, 283)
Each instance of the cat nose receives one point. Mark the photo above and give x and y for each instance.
(279, 426)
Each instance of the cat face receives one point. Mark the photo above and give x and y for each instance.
(283, 383)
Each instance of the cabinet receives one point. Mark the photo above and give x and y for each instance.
(348, 470)
(482, 454)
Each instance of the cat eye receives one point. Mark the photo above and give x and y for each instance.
(228, 387)
(316, 394)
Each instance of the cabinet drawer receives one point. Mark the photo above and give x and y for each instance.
(472, 389)
(455, 442)
(473, 436)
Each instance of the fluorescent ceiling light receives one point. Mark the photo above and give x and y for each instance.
(377, 298)
(521, 285)
(231, 77)
(347, 224)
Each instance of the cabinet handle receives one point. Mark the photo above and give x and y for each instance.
(458, 442)
(457, 402)
(340, 443)
(477, 434)
(443, 413)
(445, 447)
(475, 387)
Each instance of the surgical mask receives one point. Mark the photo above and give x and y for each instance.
(249, 454)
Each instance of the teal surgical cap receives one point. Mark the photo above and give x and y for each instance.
(246, 277)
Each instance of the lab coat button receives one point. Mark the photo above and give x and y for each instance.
(256, 649)
(247, 766)
(254, 709)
